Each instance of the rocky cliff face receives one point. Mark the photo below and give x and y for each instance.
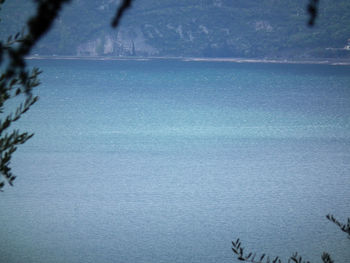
(198, 28)
(124, 42)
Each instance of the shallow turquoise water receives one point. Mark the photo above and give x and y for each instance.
(168, 161)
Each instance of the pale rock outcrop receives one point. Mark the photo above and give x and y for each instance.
(124, 42)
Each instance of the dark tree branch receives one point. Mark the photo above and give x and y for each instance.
(241, 255)
(16, 80)
(312, 9)
(126, 4)
(327, 258)
(38, 25)
(344, 227)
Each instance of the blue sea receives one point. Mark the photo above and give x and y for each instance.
(168, 161)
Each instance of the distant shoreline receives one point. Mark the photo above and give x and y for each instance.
(199, 59)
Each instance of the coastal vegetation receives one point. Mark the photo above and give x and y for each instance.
(202, 28)
(166, 30)
(251, 257)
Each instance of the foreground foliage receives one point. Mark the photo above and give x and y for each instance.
(17, 82)
(241, 255)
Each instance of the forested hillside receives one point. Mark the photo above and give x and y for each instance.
(197, 28)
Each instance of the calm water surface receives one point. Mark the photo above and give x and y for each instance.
(166, 161)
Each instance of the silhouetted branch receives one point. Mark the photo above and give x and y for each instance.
(344, 227)
(38, 25)
(126, 4)
(251, 257)
(327, 258)
(16, 80)
(296, 258)
(238, 250)
(312, 9)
